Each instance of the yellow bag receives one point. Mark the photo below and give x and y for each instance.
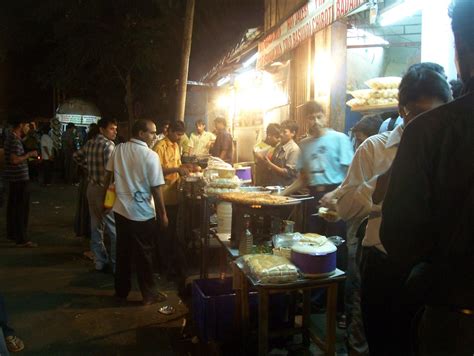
(110, 196)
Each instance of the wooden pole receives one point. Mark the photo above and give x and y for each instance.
(183, 77)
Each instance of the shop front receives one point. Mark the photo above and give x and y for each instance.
(327, 50)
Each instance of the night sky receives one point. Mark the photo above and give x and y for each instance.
(219, 24)
(29, 38)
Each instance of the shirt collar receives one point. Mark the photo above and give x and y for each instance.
(395, 136)
(139, 142)
(287, 145)
(169, 143)
(102, 137)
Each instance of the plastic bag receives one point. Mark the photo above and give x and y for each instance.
(269, 269)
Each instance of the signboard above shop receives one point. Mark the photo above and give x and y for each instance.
(77, 119)
(309, 19)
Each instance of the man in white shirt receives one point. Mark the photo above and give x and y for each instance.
(200, 141)
(361, 195)
(138, 179)
(47, 155)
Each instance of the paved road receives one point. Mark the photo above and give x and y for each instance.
(60, 306)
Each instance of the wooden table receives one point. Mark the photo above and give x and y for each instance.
(305, 286)
(238, 210)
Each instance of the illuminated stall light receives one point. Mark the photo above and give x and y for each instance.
(253, 91)
(405, 9)
(251, 60)
(323, 74)
(223, 81)
(223, 101)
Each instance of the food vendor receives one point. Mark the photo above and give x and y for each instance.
(325, 157)
(265, 149)
(169, 152)
(282, 165)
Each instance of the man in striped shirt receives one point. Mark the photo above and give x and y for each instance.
(17, 176)
(94, 156)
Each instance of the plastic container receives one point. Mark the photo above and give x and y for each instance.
(244, 173)
(228, 173)
(214, 309)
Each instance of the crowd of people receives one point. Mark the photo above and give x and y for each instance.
(403, 189)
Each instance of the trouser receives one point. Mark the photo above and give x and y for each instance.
(7, 330)
(168, 245)
(443, 331)
(387, 320)
(320, 226)
(47, 168)
(355, 327)
(134, 241)
(70, 167)
(3, 346)
(100, 222)
(18, 210)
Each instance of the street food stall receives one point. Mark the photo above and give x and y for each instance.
(348, 55)
(268, 255)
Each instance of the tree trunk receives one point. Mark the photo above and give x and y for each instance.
(129, 103)
(183, 77)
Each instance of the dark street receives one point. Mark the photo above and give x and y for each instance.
(59, 306)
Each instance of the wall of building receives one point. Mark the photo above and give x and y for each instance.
(363, 64)
(398, 59)
(278, 10)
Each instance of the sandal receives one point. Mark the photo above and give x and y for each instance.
(28, 244)
(14, 344)
(88, 255)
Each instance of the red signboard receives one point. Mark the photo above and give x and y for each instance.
(309, 19)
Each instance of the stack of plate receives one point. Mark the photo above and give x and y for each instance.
(224, 217)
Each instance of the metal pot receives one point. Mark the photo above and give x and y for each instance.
(313, 260)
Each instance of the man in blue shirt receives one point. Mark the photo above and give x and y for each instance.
(325, 156)
(390, 124)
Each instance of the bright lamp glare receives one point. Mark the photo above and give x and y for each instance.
(224, 102)
(323, 73)
(223, 81)
(399, 12)
(251, 60)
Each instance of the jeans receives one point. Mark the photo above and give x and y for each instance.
(355, 327)
(101, 222)
(135, 243)
(18, 210)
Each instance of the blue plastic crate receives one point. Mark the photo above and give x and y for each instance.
(214, 309)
